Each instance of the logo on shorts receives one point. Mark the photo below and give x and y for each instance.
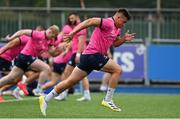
(70, 62)
(100, 64)
(106, 57)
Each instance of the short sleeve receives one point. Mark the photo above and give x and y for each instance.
(105, 24)
(37, 35)
(66, 29)
(24, 39)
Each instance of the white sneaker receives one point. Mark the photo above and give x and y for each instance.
(38, 92)
(60, 97)
(17, 95)
(43, 105)
(103, 88)
(84, 99)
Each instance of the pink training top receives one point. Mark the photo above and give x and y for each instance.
(102, 37)
(13, 52)
(67, 29)
(75, 40)
(38, 44)
(63, 58)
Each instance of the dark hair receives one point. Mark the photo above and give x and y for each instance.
(125, 13)
(40, 27)
(72, 13)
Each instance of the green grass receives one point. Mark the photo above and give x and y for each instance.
(133, 105)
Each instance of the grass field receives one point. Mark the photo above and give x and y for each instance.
(133, 105)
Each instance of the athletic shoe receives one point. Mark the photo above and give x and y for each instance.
(17, 95)
(38, 92)
(23, 87)
(84, 99)
(61, 97)
(1, 99)
(43, 105)
(103, 88)
(110, 105)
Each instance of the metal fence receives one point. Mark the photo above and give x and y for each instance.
(146, 23)
(149, 25)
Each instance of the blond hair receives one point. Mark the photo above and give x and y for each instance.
(54, 28)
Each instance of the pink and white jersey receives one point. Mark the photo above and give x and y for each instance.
(75, 40)
(13, 52)
(102, 37)
(38, 44)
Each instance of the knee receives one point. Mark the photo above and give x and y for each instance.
(47, 69)
(118, 70)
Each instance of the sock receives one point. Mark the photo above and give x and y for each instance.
(24, 79)
(65, 93)
(51, 95)
(87, 93)
(109, 94)
(39, 86)
(17, 89)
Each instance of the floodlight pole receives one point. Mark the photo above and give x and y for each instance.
(158, 7)
(48, 6)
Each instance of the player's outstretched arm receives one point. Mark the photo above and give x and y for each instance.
(10, 45)
(85, 24)
(19, 33)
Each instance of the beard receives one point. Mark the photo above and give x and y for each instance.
(72, 22)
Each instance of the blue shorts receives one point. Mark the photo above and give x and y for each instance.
(5, 65)
(45, 60)
(90, 62)
(59, 68)
(24, 61)
(72, 60)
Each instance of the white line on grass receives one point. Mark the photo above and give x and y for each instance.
(24, 99)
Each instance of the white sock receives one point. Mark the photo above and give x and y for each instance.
(24, 79)
(17, 89)
(109, 94)
(87, 94)
(39, 86)
(65, 92)
(51, 95)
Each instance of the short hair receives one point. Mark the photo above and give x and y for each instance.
(73, 13)
(40, 27)
(54, 28)
(125, 13)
